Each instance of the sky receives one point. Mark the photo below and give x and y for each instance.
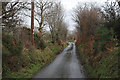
(68, 6)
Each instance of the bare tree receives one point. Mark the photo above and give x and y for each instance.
(87, 18)
(40, 13)
(63, 36)
(56, 23)
(118, 2)
(11, 14)
(111, 12)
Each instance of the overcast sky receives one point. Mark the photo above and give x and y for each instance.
(69, 5)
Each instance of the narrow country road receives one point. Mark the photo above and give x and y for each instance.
(66, 65)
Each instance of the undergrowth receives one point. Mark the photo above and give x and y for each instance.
(29, 62)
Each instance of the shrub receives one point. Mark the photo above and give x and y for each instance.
(11, 45)
(102, 36)
(117, 52)
(42, 44)
(5, 51)
(39, 43)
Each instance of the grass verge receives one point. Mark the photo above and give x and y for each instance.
(29, 62)
(105, 66)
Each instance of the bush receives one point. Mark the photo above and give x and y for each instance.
(5, 51)
(11, 45)
(42, 44)
(117, 52)
(39, 43)
(102, 36)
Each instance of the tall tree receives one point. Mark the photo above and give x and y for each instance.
(111, 12)
(11, 14)
(87, 18)
(56, 23)
(41, 11)
(118, 2)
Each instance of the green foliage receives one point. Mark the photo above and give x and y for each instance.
(42, 44)
(39, 43)
(117, 52)
(102, 36)
(30, 62)
(5, 51)
(111, 12)
(6, 70)
(81, 46)
(11, 45)
(105, 34)
(58, 42)
(107, 67)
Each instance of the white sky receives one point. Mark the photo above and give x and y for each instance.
(68, 6)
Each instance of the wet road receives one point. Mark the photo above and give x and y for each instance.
(66, 65)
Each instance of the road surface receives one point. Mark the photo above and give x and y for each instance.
(66, 65)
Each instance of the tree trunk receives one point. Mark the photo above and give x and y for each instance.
(40, 29)
(119, 3)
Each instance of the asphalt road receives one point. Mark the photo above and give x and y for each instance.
(66, 65)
